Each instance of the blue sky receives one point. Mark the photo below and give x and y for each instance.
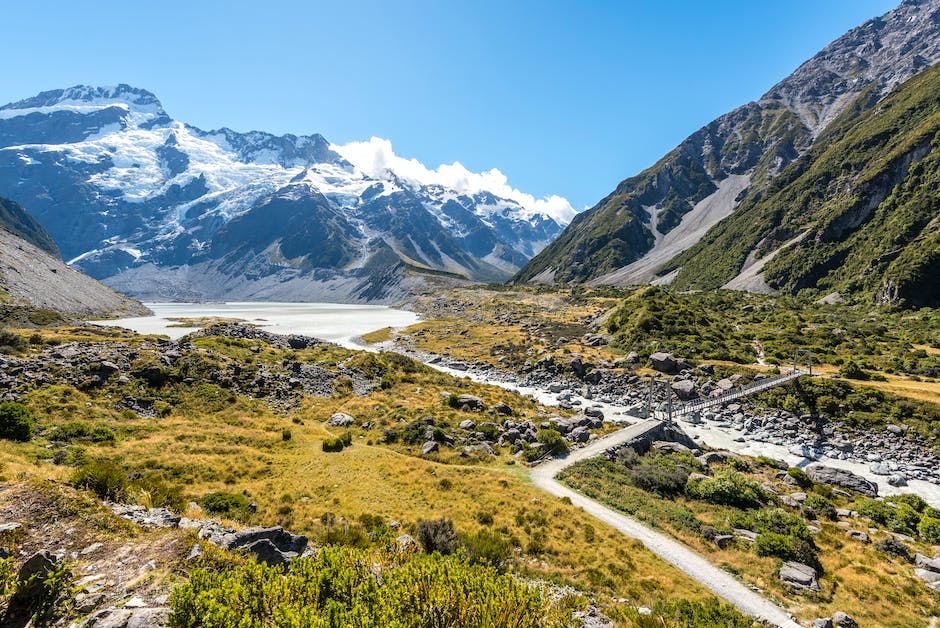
(564, 98)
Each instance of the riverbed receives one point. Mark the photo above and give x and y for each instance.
(333, 322)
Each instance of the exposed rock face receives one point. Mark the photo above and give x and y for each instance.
(754, 142)
(33, 277)
(840, 477)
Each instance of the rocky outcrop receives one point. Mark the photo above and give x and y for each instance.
(842, 478)
(799, 576)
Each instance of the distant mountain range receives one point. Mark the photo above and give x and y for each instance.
(163, 210)
(799, 190)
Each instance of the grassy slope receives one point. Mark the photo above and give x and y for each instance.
(212, 440)
(874, 588)
(866, 193)
(14, 218)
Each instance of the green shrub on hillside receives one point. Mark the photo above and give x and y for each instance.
(729, 488)
(79, 430)
(339, 587)
(437, 535)
(105, 479)
(223, 503)
(16, 421)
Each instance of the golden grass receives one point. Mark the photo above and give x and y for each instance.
(895, 384)
(379, 335)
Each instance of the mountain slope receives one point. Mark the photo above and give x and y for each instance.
(859, 212)
(31, 277)
(124, 189)
(17, 221)
(624, 239)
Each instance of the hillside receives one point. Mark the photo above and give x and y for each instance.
(17, 221)
(629, 235)
(30, 276)
(859, 213)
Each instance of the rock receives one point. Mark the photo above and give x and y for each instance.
(470, 402)
(927, 575)
(668, 447)
(593, 412)
(931, 564)
(502, 408)
(896, 430)
(484, 447)
(341, 419)
(724, 540)
(725, 384)
(822, 474)
(843, 621)
(467, 424)
(429, 447)
(748, 535)
(580, 435)
(39, 564)
(858, 535)
(712, 457)
(268, 553)
(896, 479)
(406, 542)
(684, 389)
(799, 576)
(663, 362)
(194, 552)
(822, 622)
(10, 528)
(129, 618)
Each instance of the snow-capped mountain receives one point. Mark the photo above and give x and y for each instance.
(162, 209)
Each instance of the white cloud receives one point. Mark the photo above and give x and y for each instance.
(376, 157)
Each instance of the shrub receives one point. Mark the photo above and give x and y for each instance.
(339, 587)
(785, 547)
(894, 547)
(78, 430)
(821, 506)
(662, 474)
(778, 521)
(487, 548)
(285, 434)
(485, 518)
(929, 530)
(800, 476)
(16, 421)
(223, 503)
(728, 488)
(333, 444)
(914, 501)
(11, 343)
(553, 441)
(437, 535)
(105, 479)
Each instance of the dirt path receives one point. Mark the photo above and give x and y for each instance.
(717, 580)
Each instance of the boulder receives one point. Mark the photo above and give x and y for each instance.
(822, 622)
(668, 447)
(684, 389)
(470, 402)
(842, 620)
(341, 419)
(663, 362)
(858, 535)
(799, 576)
(931, 564)
(896, 479)
(927, 575)
(429, 447)
(580, 435)
(268, 553)
(822, 474)
(467, 424)
(724, 540)
(39, 565)
(406, 542)
(725, 384)
(502, 408)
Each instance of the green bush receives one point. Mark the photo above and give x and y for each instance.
(802, 479)
(892, 546)
(79, 430)
(663, 474)
(11, 343)
(914, 501)
(223, 503)
(16, 422)
(729, 488)
(778, 521)
(333, 444)
(437, 535)
(929, 530)
(487, 548)
(553, 441)
(785, 547)
(105, 479)
(339, 587)
(821, 506)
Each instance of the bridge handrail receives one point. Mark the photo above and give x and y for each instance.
(762, 384)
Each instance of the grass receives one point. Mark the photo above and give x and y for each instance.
(211, 440)
(874, 588)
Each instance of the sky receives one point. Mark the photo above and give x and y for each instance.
(563, 98)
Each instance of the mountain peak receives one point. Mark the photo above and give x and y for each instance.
(122, 93)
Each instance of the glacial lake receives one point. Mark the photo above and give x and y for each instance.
(333, 322)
